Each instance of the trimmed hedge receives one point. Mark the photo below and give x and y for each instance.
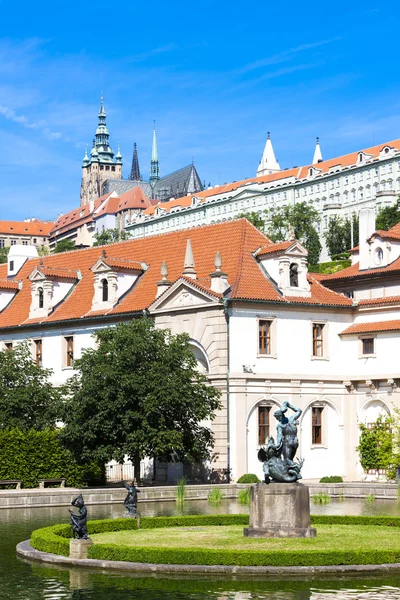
(32, 455)
(55, 539)
(248, 478)
(331, 479)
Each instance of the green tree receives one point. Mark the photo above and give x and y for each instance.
(110, 236)
(303, 218)
(27, 398)
(375, 445)
(64, 246)
(255, 218)
(338, 236)
(389, 216)
(4, 255)
(139, 394)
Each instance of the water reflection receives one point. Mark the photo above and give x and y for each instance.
(23, 581)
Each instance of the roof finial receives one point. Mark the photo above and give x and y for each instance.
(104, 253)
(164, 270)
(269, 135)
(291, 234)
(218, 261)
(189, 261)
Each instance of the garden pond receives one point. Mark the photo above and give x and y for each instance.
(21, 580)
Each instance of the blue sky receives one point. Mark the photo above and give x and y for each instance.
(216, 76)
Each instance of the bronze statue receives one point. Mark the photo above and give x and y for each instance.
(78, 520)
(131, 499)
(278, 459)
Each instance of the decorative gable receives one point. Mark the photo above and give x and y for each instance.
(286, 265)
(113, 278)
(49, 287)
(184, 294)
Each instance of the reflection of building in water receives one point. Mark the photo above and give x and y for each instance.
(328, 344)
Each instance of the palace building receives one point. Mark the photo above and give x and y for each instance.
(263, 329)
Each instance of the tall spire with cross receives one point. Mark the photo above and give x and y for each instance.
(268, 163)
(135, 171)
(154, 164)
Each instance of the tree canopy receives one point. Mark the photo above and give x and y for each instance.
(303, 218)
(64, 246)
(389, 216)
(27, 398)
(139, 394)
(338, 236)
(110, 236)
(255, 218)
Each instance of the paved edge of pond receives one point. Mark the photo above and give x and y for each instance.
(25, 550)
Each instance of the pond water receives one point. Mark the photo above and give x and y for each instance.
(21, 580)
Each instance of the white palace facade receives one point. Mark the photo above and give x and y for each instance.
(262, 328)
(339, 186)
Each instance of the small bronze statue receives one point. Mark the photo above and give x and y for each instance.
(131, 499)
(78, 520)
(278, 459)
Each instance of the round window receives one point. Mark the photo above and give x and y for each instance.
(378, 256)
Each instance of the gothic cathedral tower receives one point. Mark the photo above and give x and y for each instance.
(101, 165)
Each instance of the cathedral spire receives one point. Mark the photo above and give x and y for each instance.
(317, 153)
(135, 171)
(154, 164)
(268, 163)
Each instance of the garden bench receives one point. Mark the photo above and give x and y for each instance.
(42, 482)
(16, 482)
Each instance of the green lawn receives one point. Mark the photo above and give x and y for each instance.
(329, 537)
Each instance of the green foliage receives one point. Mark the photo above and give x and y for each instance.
(255, 218)
(110, 236)
(64, 246)
(321, 498)
(244, 496)
(181, 490)
(329, 267)
(389, 216)
(52, 539)
(33, 455)
(4, 255)
(375, 446)
(27, 398)
(215, 496)
(338, 236)
(302, 217)
(370, 498)
(248, 478)
(331, 479)
(139, 394)
(381, 521)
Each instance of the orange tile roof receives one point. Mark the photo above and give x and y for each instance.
(278, 247)
(235, 240)
(132, 199)
(354, 271)
(77, 216)
(39, 228)
(379, 301)
(8, 284)
(58, 273)
(374, 327)
(123, 264)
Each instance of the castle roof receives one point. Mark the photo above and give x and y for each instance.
(34, 227)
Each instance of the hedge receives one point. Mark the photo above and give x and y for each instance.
(248, 478)
(33, 455)
(331, 479)
(55, 539)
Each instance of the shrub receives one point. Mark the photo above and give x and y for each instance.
(321, 498)
(214, 496)
(181, 490)
(331, 479)
(244, 496)
(33, 455)
(248, 478)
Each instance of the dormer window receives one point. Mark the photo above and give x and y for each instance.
(50, 285)
(360, 157)
(104, 290)
(40, 298)
(294, 275)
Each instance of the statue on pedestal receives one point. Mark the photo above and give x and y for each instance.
(131, 499)
(278, 459)
(78, 520)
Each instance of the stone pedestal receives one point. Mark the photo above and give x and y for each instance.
(79, 548)
(280, 510)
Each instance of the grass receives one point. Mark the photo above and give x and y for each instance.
(181, 490)
(329, 537)
(321, 498)
(370, 498)
(244, 496)
(215, 496)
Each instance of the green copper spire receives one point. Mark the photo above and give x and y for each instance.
(102, 138)
(154, 164)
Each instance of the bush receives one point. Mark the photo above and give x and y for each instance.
(331, 479)
(244, 496)
(33, 455)
(248, 478)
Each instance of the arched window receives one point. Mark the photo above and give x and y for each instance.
(104, 287)
(294, 275)
(41, 301)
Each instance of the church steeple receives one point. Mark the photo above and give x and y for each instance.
(268, 163)
(154, 164)
(135, 171)
(317, 153)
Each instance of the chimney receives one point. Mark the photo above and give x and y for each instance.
(17, 256)
(367, 228)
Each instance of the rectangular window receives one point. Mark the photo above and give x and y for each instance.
(264, 337)
(24, 242)
(38, 352)
(368, 346)
(2, 242)
(317, 425)
(263, 424)
(318, 341)
(69, 351)
(13, 242)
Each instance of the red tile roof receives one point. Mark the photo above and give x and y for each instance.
(374, 327)
(7, 284)
(39, 228)
(58, 273)
(379, 301)
(77, 216)
(134, 199)
(278, 247)
(123, 264)
(354, 272)
(235, 240)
